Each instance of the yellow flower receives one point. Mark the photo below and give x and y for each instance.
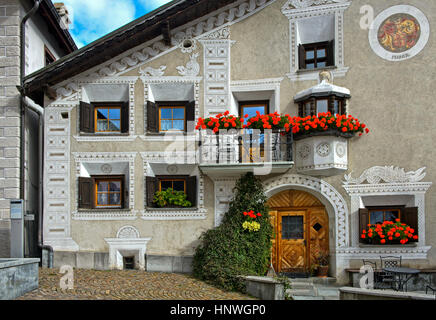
(251, 226)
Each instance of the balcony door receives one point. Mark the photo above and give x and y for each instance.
(301, 227)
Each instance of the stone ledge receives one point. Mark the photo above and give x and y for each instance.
(351, 293)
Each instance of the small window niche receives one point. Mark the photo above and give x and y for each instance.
(170, 108)
(104, 110)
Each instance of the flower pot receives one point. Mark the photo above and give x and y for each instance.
(323, 271)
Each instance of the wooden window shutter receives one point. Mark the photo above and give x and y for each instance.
(151, 187)
(125, 117)
(363, 221)
(409, 216)
(152, 117)
(331, 53)
(86, 117)
(301, 57)
(331, 106)
(86, 193)
(191, 190)
(190, 113)
(301, 109)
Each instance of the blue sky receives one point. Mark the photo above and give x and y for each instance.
(93, 19)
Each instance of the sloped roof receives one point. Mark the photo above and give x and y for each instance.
(172, 15)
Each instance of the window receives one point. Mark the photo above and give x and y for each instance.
(108, 193)
(375, 215)
(175, 184)
(316, 55)
(251, 108)
(315, 105)
(107, 119)
(48, 56)
(187, 184)
(104, 117)
(101, 192)
(171, 116)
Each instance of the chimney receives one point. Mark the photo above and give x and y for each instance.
(63, 13)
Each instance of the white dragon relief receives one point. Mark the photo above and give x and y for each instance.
(192, 67)
(388, 174)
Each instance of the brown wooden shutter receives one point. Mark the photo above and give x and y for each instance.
(86, 117)
(125, 117)
(363, 221)
(331, 53)
(191, 190)
(409, 216)
(151, 188)
(301, 57)
(301, 109)
(152, 117)
(86, 193)
(190, 113)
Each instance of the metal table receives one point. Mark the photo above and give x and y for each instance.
(403, 274)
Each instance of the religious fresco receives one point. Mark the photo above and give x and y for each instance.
(399, 33)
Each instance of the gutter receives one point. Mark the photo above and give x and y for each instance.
(27, 102)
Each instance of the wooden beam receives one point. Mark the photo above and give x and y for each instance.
(166, 32)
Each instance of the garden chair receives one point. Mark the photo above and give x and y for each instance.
(429, 288)
(377, 279)
(389, 280)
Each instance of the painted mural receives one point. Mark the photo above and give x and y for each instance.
(399, 33)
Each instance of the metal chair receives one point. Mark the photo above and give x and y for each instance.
(389, 280)
(377, 280)
(429, 288)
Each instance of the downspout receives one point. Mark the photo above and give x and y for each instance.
(25, 101)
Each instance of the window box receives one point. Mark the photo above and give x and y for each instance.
(154, 184)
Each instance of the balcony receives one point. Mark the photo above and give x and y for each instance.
(235, 152)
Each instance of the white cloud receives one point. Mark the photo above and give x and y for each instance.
(93, 19)
(153, 4)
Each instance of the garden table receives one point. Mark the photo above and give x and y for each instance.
(404, 275)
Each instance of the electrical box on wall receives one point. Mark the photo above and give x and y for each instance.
(17, 228)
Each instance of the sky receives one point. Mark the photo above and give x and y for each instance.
(92, 19)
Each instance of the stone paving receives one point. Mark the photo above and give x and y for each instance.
(126, 285)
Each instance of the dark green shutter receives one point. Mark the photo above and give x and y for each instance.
(409, 216)
(86, 117)
(363, 221)
(190, 113)
(331, 53)
(125, 117)
(151, 184)
(152, 117)
(301, 57)
(191, 190)
(86, 193)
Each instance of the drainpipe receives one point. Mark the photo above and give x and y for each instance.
(25, 101)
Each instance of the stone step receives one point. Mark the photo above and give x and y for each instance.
(327, 291)
(301, 285)
(301, 292)
(307, 298)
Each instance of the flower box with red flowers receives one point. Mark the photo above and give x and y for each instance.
(220, 121)
(389, 233)
(327, 124)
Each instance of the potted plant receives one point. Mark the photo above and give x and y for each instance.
(170, 198)
(389, 232)
(322, 261)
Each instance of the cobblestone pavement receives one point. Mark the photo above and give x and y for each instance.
(126, 285)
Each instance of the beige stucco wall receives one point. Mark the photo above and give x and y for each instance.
(394, 99)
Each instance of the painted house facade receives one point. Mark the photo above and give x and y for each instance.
(120, 127)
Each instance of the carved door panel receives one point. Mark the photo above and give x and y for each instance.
(291, 240)
(273, 221)
(318, 233)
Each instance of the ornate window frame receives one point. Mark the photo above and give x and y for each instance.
(105, 157)
(181, 158)
(396, 182)
(149, 80)
(296, 10)
(130, 81)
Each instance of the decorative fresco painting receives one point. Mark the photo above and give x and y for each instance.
(399, 33)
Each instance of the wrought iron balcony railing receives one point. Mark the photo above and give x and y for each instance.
(245, 146)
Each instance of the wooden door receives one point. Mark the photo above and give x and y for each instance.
(318, 229)
(291, 241)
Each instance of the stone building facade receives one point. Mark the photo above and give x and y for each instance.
(232, 57)
(43, 41)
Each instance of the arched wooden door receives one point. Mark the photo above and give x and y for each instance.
(301, 230)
